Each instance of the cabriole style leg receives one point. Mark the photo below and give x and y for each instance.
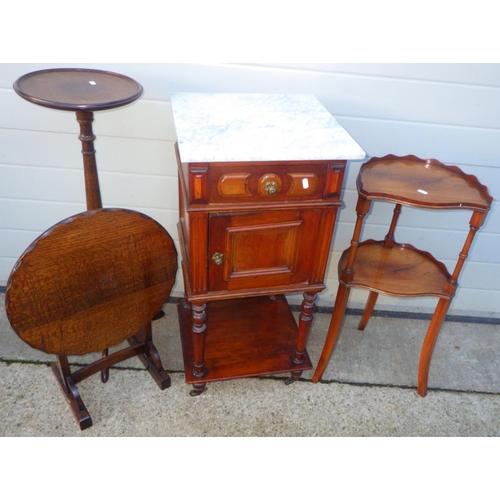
(429, 343)
(370, 305)
(333, 330)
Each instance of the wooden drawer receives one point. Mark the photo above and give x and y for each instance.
(265, 182)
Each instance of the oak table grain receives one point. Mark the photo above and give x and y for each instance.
(88, 283)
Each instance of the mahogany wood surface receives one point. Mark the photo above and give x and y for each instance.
(235, 347)
(379, 268)
(88, 283)
(263, 248)
(77, 89)
(245, 233)
(249, 231)
(421, 183)
(401, 269)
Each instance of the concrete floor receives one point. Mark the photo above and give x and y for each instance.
(369, 389)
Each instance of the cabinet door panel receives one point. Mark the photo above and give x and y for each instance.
(261, 249)
(276, 244)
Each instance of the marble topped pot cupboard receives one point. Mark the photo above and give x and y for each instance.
(260, 179)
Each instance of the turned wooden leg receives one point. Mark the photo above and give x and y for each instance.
(199, 329)
(370, 305)
(305, 321)
(333, 330)
(87, 137)
(429, 343)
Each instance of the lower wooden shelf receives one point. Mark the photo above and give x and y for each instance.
(401, 270)
(244, 338)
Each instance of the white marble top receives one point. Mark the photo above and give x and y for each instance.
(258, 127)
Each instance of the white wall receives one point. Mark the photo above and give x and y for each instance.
(448, 112)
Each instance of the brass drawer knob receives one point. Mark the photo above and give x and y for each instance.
(271, 188)
(218, 258)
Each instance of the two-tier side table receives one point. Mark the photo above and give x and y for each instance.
(82, 91)
(260, 179)
(400, 269)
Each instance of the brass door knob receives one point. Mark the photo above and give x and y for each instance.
(218, 258)
(271, 188)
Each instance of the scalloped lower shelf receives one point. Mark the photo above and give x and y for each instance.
(402, 270)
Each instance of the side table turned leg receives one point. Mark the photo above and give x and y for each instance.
(199, 330)
(305, 321)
